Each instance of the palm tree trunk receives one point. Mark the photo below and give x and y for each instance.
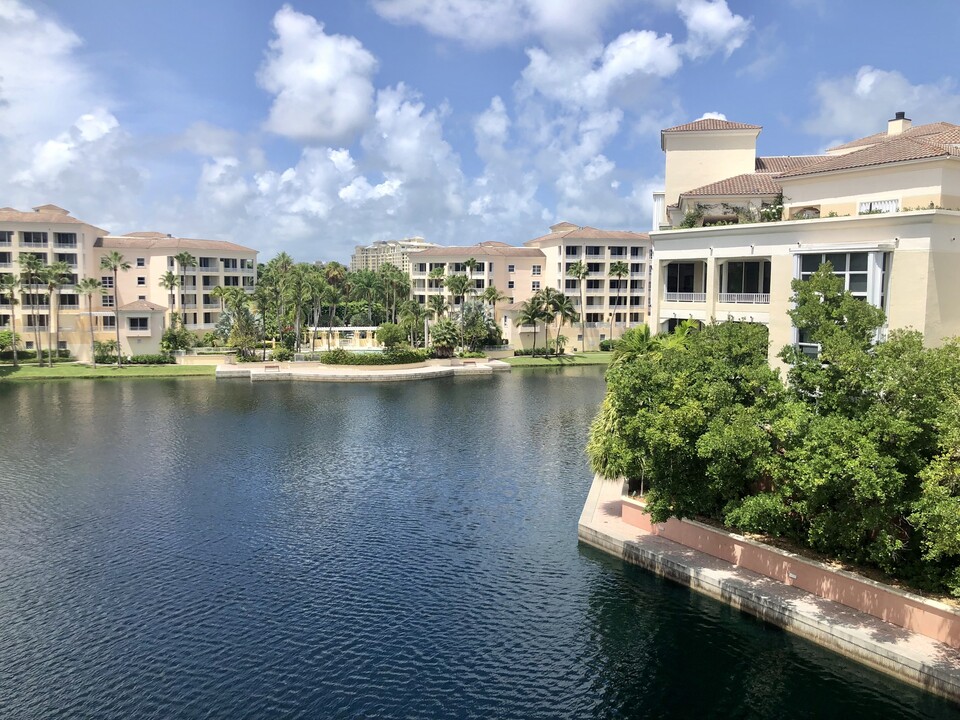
(50, 349)
(116, 314)
(93, 353)
(583, 319)
(13, 325)
(36, 330)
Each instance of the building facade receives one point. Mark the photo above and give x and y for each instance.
(136, 300)
(883, 210)
(381, 252)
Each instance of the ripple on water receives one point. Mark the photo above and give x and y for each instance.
(184, 549)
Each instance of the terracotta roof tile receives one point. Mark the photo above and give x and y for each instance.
(899, 148)
(747, 184)
(152, 240)
(912, 132)
(45, 214)
(142, 306)
(712, 124)
(589, 233)
(782, 163)
(487, 249)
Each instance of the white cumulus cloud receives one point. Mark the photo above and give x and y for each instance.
(712, 27)
(321, 83)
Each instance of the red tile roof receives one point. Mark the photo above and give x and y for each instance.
(47, 214)
(142, 306)
(917, 131)
(746, 184)
(588, 233)
(711, 124)
(782, 163)
(899, 148)
(484, 249)
(152, 240)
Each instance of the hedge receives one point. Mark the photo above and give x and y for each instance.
(534, 351)
(396, 356)
(7, 355)
(158, 359)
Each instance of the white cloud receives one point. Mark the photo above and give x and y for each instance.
(711, 27)
(205, 139)
(712, 116)
(322, 83)
(860, 104)
(487, 23)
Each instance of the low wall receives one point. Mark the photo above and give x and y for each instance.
(927, 617)
(205, 359)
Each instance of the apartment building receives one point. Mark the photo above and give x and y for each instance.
(735, 228)
(612, 302)
(136, 301)
(381, 252)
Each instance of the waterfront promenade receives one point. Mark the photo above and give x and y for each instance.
(907, 655)
(317, 372)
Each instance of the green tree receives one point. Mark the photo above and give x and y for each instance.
(114, 263)
(492, 295)
(184, 260)
(169, 282)
(579, 271)
(55, 276)
(459, 285)
(31, 269)
(88, 287)
(565, 313)
(531, 313)
(443, 337)
(618, 270)
(390, 335)
(9, 284)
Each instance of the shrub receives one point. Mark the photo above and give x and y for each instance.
(157, 359)
(397, 356)
(61, 356)
(390, 335)
(472, 354)
(281, 353)
(608, 345)
(535, 351)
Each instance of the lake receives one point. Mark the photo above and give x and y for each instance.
(194, 548)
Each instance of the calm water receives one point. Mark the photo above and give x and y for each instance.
(188, 548)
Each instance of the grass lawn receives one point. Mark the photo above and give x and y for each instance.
(587, 358)
(70, 371)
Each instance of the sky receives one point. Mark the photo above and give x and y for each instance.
(314, 126)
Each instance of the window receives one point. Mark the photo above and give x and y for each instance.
(571, 284)
(141, 262)
(478, 283)
(618, 251)
(511, 268)
(535, 285)
(594, 250)
(874, 207)
(65, 239)
(634, 252)
(573, 251)
(107, 281)
(594, 317)
(595, 267)
(62, 345)
(594, 284)
(138, 323)
(749, 278)
(634, 317)
(141, 280)
(807, 213)
(680, 277)
(229, 263)
(109, 322)
(853, 268)
(490, 267)
(6, 237)
(108, 301)
(33, 238)
(636, 268)
(231, 281)
(510, 284)
(535, 270)
(141, 297)
(68, 258)
(421, 267)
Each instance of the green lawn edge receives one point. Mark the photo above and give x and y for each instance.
(579, 359)
(32, 373)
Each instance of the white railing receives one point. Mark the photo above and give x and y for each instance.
(684, 297)
(750, 298)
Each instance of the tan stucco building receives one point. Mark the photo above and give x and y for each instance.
(137, 302)
(884, 210)
(381, 252)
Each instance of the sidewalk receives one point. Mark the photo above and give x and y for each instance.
(904, 654)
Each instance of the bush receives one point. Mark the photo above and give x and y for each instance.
(7, 355)
(158, 359)
(471, 354)
(608, 345)
(390, 335)
(535, 351)
(397, 356)
(281, 353)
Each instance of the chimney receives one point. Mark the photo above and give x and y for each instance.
(899, 123)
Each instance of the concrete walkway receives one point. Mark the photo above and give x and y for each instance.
(907, 655)
(317, 372)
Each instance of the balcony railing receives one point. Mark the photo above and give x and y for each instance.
(65, 244)
(684, 297)
(33, 243)
(749, 298)
(211, 306)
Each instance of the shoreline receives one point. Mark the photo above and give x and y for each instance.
(908, 656)
(317, 372)
(76, 371)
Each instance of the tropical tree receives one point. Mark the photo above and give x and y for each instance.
(88, 287)
(443, 337)
(565, 313)
(184, 260)
(8, 286)
(492, 295)
(114, 263)
(435, 277)
(332, 296)
(549, 299)
(31, 269)
(55, 276)
(579, 271)
(413, 317)
(365, 286)
(458, 286)
(298, 294)
(317, 285)
(472, 264)
(531, 312)
(437, 305)
(219, 292)
(169, 282)
(619, 270)
(261, 297)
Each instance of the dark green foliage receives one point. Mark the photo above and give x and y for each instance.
(282, 353)
(540, 352)
(390, 335)
(105, 351)
(608, 345)
(61, 355)
(858, 457)
(400, 355)
(158, 359)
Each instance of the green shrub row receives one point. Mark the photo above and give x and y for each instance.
(608, 345)
(472, 354)
(394, 356)
(158, 359)
(534, 351)
(7, 355)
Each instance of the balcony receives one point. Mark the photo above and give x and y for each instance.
(211, 306)
(33, 243)
(691, 297)
(65, 244)
(746, 298)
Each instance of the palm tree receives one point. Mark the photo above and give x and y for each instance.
(530, 314)
(317, 285)
(332, 297)
(566, 312)
(549, 299)
(619, 270)
(169, 282)
(261, 298)
(55, 276)
(438, 306)
(219, 292)
(8, 287)
(31, 269)
(364, 284)
(91, 286)
(435, 277)
(471, 265)
(414, 315)
(114, 262)
(492, 295)
(183, 260)
(579, 271)
(458, 286)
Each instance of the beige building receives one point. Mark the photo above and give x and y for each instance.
(381, 252)
(520, 272)
(884, 210)
(137, 302)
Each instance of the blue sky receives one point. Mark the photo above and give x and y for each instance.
(317, 125)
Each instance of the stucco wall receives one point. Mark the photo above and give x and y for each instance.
(935, 620)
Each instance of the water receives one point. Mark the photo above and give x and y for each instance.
(190, 548)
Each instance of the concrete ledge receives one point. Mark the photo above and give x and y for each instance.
(337, 373)
(910, 656)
